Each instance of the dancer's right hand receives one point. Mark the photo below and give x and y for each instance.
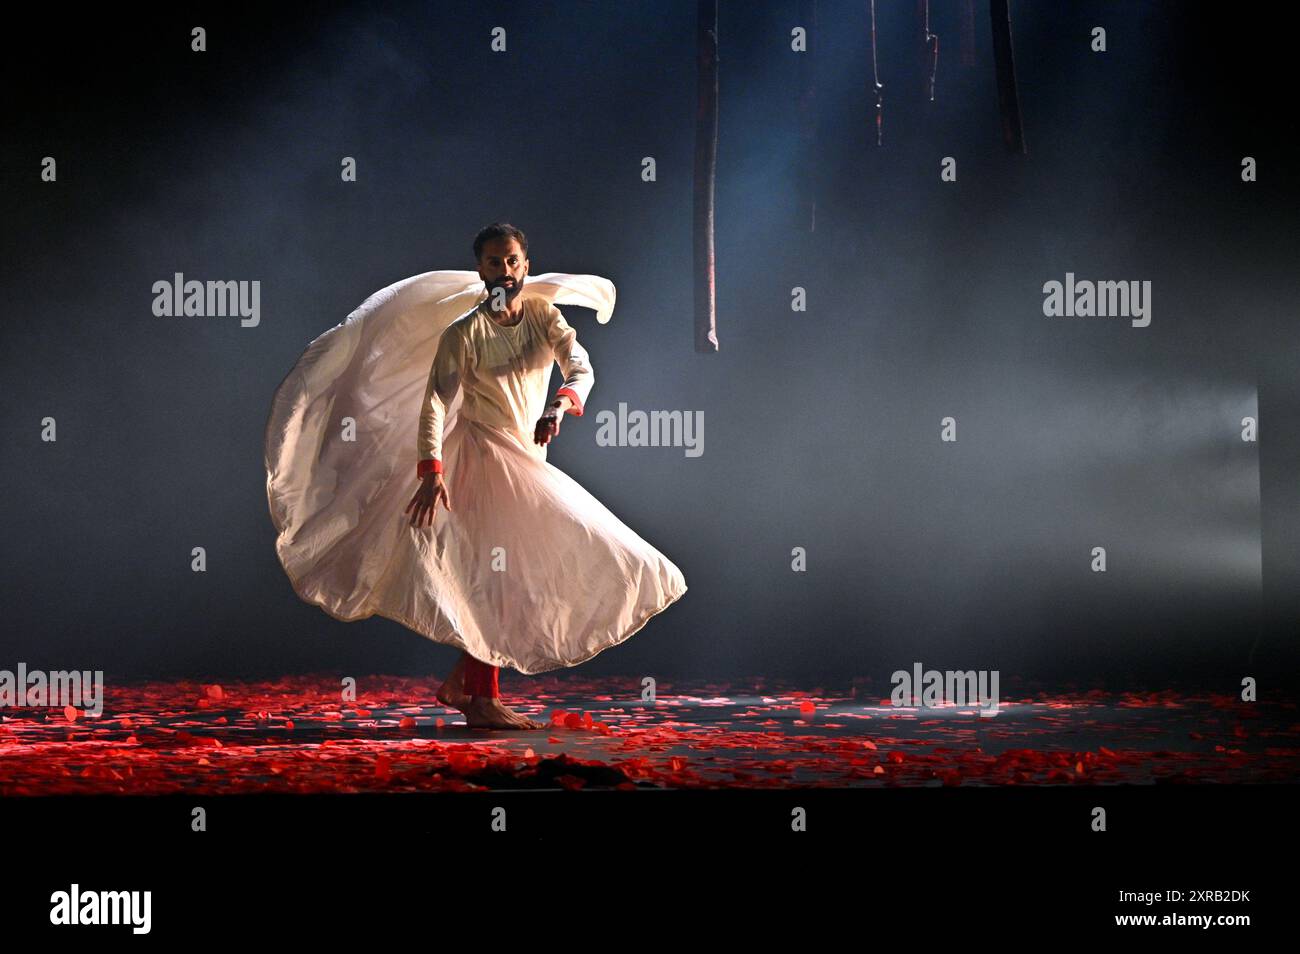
(432, 489)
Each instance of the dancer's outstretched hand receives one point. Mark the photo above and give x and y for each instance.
(548, 426)
(432, 489)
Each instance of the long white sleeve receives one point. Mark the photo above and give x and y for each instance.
(444, 381)
(572, 358)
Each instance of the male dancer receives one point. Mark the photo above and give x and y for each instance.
(472, 687)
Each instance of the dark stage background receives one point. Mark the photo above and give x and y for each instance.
(821, 427)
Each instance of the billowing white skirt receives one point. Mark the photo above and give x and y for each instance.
(527, 571)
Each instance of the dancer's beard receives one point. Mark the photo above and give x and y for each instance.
(509, 293)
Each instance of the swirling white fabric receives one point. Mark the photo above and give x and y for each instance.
(528, 571)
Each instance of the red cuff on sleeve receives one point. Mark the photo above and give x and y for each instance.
(572, 396)
(433, 465)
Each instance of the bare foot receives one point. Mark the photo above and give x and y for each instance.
(452, 692)
(485, 712)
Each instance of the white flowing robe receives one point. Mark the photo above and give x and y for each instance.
(528, 570)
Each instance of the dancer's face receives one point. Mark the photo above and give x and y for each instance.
(503, 265)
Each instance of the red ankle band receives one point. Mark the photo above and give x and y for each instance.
(481, 679)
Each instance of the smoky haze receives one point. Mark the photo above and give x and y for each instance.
(822, 427)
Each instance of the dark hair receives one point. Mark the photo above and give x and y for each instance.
(495, 231)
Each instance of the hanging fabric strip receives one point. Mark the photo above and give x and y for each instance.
(875, 72)
(932, 49)
(807, 201)
(706, 165)
(968, 32)
(1004, 63)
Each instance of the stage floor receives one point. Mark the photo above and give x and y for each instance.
(292, 735)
